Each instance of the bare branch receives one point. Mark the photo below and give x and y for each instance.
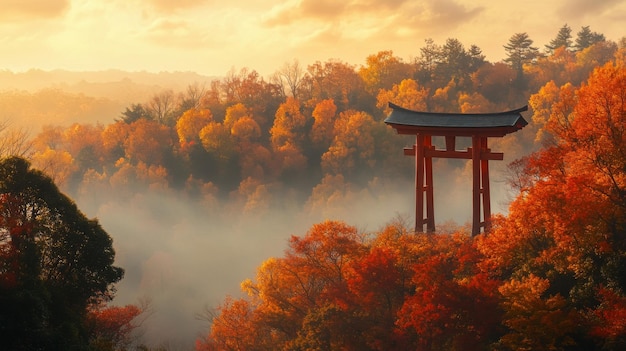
(15, 141)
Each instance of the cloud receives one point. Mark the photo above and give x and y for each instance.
(362, 19)
(294, 12)
(14, 10)
(170, 26)
(206, 29)
(584, 8)
(167, 6)
(450, 13)
(323, 8)
(175, 33)
(432, 17)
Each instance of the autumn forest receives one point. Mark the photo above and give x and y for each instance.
(304, 154)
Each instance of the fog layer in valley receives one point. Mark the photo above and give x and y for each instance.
(186, 256)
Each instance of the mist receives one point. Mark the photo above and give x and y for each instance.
(185, 256)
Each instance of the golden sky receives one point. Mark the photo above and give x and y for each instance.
(212, 36)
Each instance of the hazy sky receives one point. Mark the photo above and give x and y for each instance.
(212, 36)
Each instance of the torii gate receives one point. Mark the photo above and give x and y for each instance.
(479, 126)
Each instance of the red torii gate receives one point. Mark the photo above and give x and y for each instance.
(478, 126)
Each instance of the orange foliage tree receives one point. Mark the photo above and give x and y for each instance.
(190, 124)
(454, 305)
(353, 145)
(148, 142)
(235, 326)
(383, 70)
(563, 238)
(335, 289)
(111, 328)
(288, 135)
(324, 116)
(408, 94)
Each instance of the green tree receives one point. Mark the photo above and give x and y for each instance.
(438, 66)
(429, 58)
(520, 51)
(54, 262)
(134, 113)
(563, 39)
(476, 58)
(585, 38)
(455, 62)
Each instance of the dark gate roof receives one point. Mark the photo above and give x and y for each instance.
(407, 121)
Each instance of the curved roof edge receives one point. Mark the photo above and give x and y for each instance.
(409, 121)
(518, 110)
